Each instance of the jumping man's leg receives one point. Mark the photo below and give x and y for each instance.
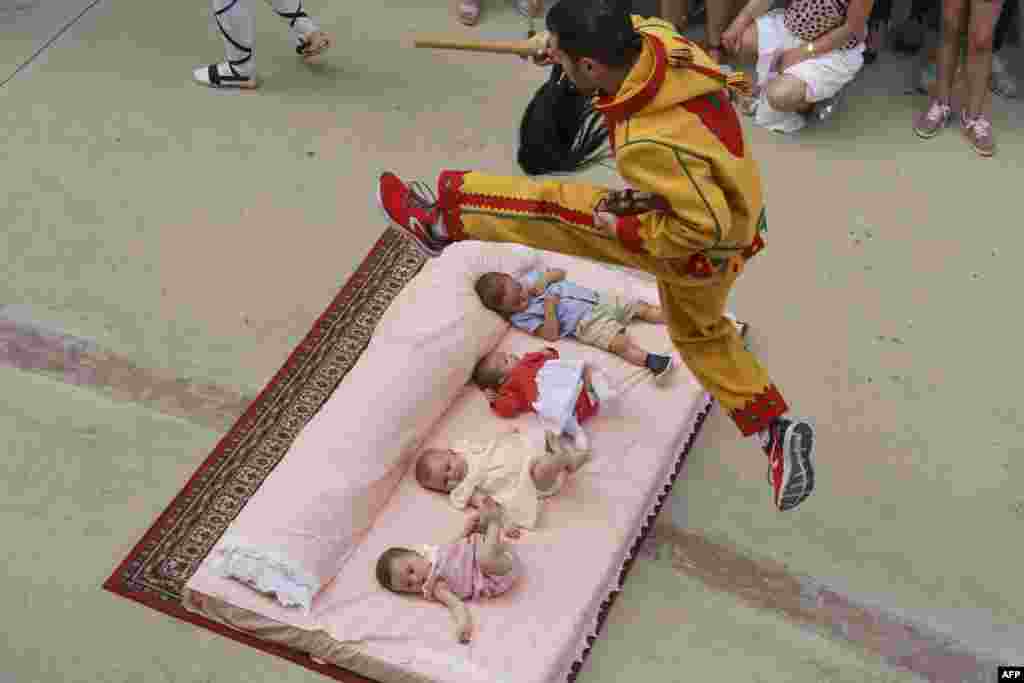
(713, 350)
(548, 215)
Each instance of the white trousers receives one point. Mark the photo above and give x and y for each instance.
(235, 23)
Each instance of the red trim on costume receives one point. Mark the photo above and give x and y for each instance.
(718, 115)
(627, 229)
(759, 413)
(719, 76)
(530, 206)
(755, 246)
(617, 112)
(699, 266)
(449, 192)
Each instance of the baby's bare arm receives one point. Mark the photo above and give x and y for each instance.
(457, 608)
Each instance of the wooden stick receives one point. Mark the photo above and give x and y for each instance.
(523, 48)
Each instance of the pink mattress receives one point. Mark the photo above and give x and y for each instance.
(573, 560)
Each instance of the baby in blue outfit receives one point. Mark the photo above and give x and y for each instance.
(545, 304)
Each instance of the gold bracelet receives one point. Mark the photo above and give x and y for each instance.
(810, 48)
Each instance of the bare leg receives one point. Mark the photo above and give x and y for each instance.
(625, 348)
(981, 26)
(954, 13)
(651, 314)
(494, 557)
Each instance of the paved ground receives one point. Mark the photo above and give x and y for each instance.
(165, 247)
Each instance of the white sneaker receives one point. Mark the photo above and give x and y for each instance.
(224, 75)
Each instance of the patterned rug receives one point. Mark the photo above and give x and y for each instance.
(159, 566)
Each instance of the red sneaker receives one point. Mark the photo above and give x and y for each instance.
(413, 208)
(790, 448)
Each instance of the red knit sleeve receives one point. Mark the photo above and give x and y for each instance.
(627, 229)
(509, 402)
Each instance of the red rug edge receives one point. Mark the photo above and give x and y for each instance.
(114, 585)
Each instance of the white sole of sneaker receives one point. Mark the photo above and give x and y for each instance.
(422, 248)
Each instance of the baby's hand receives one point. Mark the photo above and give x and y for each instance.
(472, 523)
(491, 394)
(556, 274)
(513, 532)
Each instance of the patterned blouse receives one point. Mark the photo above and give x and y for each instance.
(810, 19)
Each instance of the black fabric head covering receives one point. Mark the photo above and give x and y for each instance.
(560, 131)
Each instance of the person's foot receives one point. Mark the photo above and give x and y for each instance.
(224, 75)
(789, 444)
(661, 366)
(412, 208)
(824, 109)
(978, 132)
(1002, 81)
(928, 123)
(572, 457)
(313, 44)
(468, 12)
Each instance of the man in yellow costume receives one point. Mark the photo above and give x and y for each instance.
(693, 216)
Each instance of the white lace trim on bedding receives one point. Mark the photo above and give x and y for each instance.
(265, 571)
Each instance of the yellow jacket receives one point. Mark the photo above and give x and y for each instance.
(675, 134)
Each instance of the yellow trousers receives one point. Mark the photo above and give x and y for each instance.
(556, 216)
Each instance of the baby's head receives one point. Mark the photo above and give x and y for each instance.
(502, 293)
(440, 469)
(401, 570)
(492, 369)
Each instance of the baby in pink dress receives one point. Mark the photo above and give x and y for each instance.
(476, 565)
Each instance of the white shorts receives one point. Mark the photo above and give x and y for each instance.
(825, 75)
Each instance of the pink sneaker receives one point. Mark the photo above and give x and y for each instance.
(978, 132)
(412, 208)
(928, 123)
